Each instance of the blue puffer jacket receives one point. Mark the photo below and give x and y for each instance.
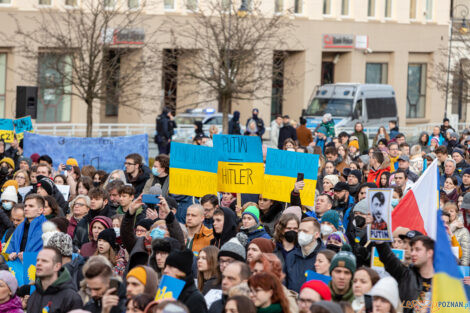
(259, 233)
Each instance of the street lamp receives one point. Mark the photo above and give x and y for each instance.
(462, 30)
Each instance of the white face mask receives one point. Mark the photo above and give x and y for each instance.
(117, 230)
(304, 239)
(326, 230)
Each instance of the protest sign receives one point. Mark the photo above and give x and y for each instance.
(64, 190)
(23, 125)
(378, 266)
(193, 170)
(23, 191)
(240, 164)
(104, 153)
(169, 288)
(312, 275)
(7, 130)
(379, 203)
(282, 168)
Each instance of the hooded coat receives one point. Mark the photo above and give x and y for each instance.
(81, 235)
(229, 231)
(89, 248)
(234, 124)
(12, 306)
(60, 297)
(286, 132)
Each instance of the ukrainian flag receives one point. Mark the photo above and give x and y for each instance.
(281, 172)
(193, 170)
(447, 287)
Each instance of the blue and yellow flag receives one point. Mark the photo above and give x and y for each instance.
(23, 125)
(169, 288)
(193, 170)
(447, 287)
(240, 160)
(7, 129)
(281, 172)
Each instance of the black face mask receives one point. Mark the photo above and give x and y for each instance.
(96, 183)
(359, 221)
(333, 247)
(4, 170)
(290, 236)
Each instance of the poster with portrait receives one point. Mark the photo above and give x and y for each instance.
(380, 208)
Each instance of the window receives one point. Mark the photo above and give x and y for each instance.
(109, 3)
(71, 3)
(413, 9)
(388, 8)
(278, 6)
(133, 4)
(429, 9)
(169, 4)
(345, 7)
(371, 8)
(3, 76)
(381, 107)
(112, 73)
(191, 5)
(55, 73)
(326, 7)
(45, 2)
(298, 6)
(416, 91)
(376, 73)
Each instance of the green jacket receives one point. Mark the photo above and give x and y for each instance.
(137, 213)
(348, 296)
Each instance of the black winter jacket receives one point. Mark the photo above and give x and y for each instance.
(80, 235)
(139, 182)
(192, 297)
(286, 132)
(60, 297)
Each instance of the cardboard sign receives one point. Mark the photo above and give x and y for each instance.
(23, 125)
(7, 132)
(240, 164)
(378, 266)
(169, 288)
(379, 205)
(64, 190)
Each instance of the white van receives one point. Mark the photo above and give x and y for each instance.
(348, 103)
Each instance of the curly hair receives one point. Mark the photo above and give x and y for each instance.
(282, 224)
(271, 264)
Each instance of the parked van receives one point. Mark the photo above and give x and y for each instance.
(348, 103)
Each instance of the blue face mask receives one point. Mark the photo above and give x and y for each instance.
(7, 205)
(155, 171)
(157, 233)
(395, 202)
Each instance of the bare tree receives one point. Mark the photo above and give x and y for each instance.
(231, 51)
(95, 52)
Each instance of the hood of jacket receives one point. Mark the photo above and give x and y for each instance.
(236, 116)
(230, 227)
(104, 220)
(12, 306)
(63, 281)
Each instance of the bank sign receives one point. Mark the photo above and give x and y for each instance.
(338, 41)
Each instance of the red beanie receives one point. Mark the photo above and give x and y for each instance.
(265, 245)
(320, 287)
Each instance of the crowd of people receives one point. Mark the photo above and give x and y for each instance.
(103, 250)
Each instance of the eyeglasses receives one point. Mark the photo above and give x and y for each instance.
(20, 177)
(140, 231)
(129, 164)
(306, 301)
(79, 204)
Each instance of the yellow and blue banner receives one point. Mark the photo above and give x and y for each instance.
(24, 272)
(7, 129)
(448, 293)
(281, 172)
(240, 164)
(193, 170)
(23, 125)
(169, 288)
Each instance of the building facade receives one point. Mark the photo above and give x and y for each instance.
(395, 42)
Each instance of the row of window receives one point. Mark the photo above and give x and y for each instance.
(278, 6)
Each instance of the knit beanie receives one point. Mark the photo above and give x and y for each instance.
(35, 157)
(252, 211)
(11, 182)
(10, 280)
(104, 220)
(387, 288)
(332, 217)
(320, 287)
(459, 151)
(328, 306)
(354, 143)
(296, 210)
(109, 235)
(62, 242)
(234, 249)
(71, 161)
(182, 260)
(25, 159)
(8, 161)
(361, 207)
(265, 245)
(10, 194)
(145, 223)
(356, 173)
(322, 130)
(333, 179)
(344, 259)
(47, 185)
(147, 277)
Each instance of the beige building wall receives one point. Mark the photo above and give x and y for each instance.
(398, 40)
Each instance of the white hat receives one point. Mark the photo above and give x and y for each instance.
(333, 179)
(387, 288)
(10, 194)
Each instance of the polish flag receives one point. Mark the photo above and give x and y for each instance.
(417, 209)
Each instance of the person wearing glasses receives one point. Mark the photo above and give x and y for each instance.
(311, 292)
(136, 173)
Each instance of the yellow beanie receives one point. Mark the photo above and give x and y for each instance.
(354, 143)
(71, 161)
(9, 161)
(10, 182)
(139, 273)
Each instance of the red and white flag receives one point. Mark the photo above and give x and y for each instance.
(417, 209)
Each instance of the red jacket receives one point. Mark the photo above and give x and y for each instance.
(374, 175)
